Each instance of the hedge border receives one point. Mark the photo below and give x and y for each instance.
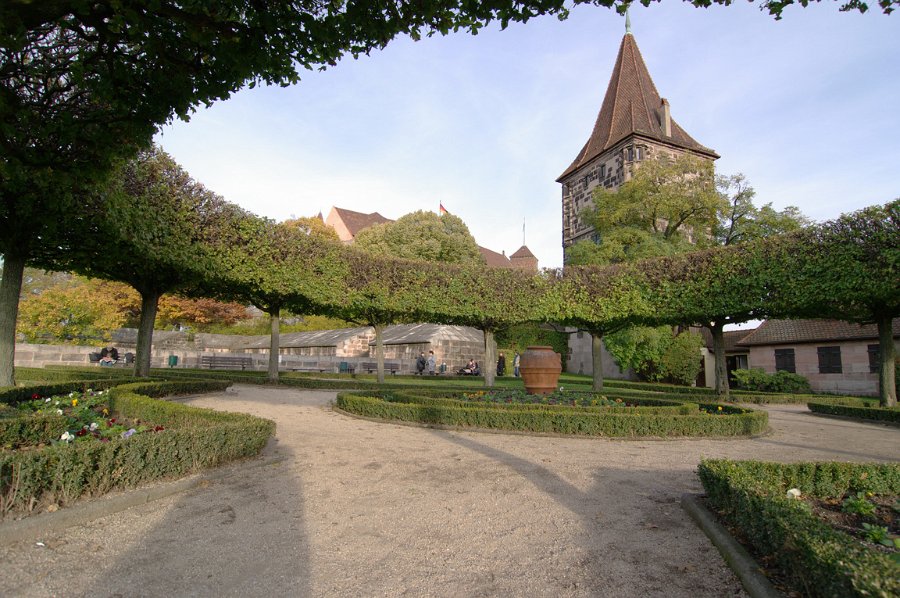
(575, 421)
(822, 561)
(889, 415)
(194, 439)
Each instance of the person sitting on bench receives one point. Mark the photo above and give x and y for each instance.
(109, 355)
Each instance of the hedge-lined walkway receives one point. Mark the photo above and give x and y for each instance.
(361, 508)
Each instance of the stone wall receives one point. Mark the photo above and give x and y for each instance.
(580, 360)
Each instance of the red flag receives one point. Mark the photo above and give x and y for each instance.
(442, 210)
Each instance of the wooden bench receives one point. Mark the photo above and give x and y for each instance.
(226, 362)
(371, 366)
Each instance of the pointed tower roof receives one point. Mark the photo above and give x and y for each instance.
(632, 106)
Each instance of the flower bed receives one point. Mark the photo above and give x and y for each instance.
(649, 418)
(185, 439)
(759, 500)
(857, 409)
(81, 416)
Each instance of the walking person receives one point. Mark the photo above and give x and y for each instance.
(431, 363)
(516, 361)
(501, 365)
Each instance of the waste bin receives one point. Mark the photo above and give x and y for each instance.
(173, 360)
(442, 368)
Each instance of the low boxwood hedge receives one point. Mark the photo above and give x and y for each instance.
(858, 409)
(433, 397)
(728, 421)
(193, 439)
(821, 561)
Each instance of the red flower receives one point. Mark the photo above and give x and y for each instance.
(35, 396)
(158, 429)
(81, 432)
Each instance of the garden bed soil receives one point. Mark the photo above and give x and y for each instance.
(363, 508)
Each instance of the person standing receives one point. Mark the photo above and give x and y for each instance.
(431, 363)
(501, 365)
(516, 361)
(421, 363)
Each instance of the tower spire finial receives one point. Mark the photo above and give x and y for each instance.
(627, 23)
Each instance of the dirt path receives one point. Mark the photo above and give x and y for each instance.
(358, 508)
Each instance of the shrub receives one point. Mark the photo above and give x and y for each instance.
(820, 560)
(757, 379)
(859, 409)
(708, 419)
(193, 439)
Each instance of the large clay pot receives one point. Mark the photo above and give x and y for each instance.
(540, 368)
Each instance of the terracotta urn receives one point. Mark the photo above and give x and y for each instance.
(540, 368)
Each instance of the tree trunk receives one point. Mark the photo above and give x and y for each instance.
(886, 373)
(721, 369)
(379, 352)
(489, 367)
(10, 289)
(597, 360)
(274, 344)
(149, 305)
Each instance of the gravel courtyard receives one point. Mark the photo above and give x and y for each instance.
(357, 508)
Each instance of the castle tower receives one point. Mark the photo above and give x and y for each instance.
(634, 124)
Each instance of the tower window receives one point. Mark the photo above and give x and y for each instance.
(629, 154)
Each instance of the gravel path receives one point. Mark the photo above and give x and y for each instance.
(357, 508)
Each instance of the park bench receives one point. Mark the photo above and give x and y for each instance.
(226, 362)
(371, 366)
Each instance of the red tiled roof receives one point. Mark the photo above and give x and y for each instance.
(522, 251)
(632, 106)
(494, 259)
(782, 332)
(357, 221)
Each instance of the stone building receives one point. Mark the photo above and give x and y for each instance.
(634, 124)
(452, 345)
(835, 356)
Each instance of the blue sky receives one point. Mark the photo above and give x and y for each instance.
(806, 107)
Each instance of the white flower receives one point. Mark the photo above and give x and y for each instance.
(793, 493)
(71, 394)
(47, 400)
(94, 426)
(56, 403)
(59, 412)
(66, 437)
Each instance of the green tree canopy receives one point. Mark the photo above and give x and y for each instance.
(422, 235)
(741, 221)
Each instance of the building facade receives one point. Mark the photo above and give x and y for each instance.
(634, 124)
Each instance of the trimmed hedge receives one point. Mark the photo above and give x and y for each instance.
(821, 560)
(860, 410)
(571, 420)
(193, 439)
(643, 405)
